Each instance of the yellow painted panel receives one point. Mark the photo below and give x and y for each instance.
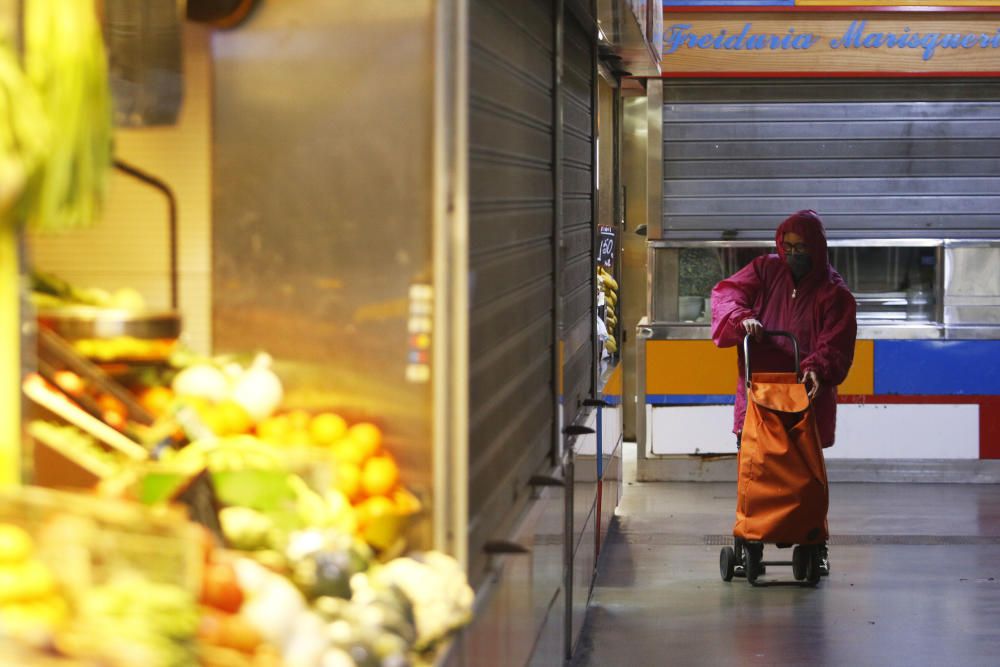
(689, 367)
(613, 387)
(698, 367)
(861, 379)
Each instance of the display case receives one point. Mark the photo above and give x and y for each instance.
(927, 333)
(892, 281)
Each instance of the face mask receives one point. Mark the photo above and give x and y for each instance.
(799, 264)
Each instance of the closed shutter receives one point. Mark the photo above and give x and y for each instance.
(576, 282)
(876, 158)
(511, 212)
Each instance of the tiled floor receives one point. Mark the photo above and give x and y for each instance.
(915, 581)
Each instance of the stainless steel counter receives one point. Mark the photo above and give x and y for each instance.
(867, 330)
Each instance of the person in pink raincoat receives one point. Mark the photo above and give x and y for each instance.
(795, 290)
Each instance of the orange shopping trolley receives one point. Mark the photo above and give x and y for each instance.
(782, 492)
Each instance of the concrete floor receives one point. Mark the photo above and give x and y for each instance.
(915, 581)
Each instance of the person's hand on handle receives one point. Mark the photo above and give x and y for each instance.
(811, 380)
(754, 328)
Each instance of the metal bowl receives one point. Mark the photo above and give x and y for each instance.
(89, 322)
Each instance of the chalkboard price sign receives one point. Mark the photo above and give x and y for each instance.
(606, 246)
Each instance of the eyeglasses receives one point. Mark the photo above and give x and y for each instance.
(794, 248)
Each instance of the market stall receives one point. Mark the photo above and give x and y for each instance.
(222, 498)
(881, 119)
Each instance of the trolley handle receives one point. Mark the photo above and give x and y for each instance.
(746, 350)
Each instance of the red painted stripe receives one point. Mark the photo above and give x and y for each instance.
(861, 9)
(989, 414)
(821, 75)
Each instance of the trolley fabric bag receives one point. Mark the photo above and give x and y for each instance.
(782, 489)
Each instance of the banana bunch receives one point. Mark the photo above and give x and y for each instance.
(609, 286)
(24, 136)
(66, 63)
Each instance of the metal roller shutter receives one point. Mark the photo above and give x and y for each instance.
(512, 213)
(576, 282)
(876, 158)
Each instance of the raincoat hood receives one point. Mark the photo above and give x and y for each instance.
(806, 223)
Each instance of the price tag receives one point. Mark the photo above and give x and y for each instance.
(606, 246)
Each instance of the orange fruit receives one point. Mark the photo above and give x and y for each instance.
(274, 430)
(156, 400)
(347, 480)
(366, 436)
(326, 428)
(379, 476)
(345, 451)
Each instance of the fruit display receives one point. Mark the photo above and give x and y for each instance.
(608, 287)
(304, 567)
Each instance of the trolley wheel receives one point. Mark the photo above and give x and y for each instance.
(727, 563)
(800, 562)
(754, 554)
(812, 568)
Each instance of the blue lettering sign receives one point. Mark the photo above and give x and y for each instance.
(682, 36)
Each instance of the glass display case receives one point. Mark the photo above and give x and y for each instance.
(892, 282)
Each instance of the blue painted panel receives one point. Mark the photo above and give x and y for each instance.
(690, 399)
(937, 367)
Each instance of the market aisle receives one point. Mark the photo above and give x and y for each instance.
(915, 580)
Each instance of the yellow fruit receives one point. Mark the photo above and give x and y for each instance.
(373, 508)
(25, 581)
(366, 436)
(299, 419)
(379, 476)
(233, 417)
(380, 522)
(327, 428)
(213, 420)
(274, 430)
(15, 544)
(299, 437)
(406, 502)
(347, 480)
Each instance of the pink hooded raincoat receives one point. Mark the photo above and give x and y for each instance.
(820, 311)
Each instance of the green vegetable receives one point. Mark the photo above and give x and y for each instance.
(24, 136)
(66, 62)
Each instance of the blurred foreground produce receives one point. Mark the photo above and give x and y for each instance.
(136, 622)
(29, 601)
(24, 136)
(66, 62)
